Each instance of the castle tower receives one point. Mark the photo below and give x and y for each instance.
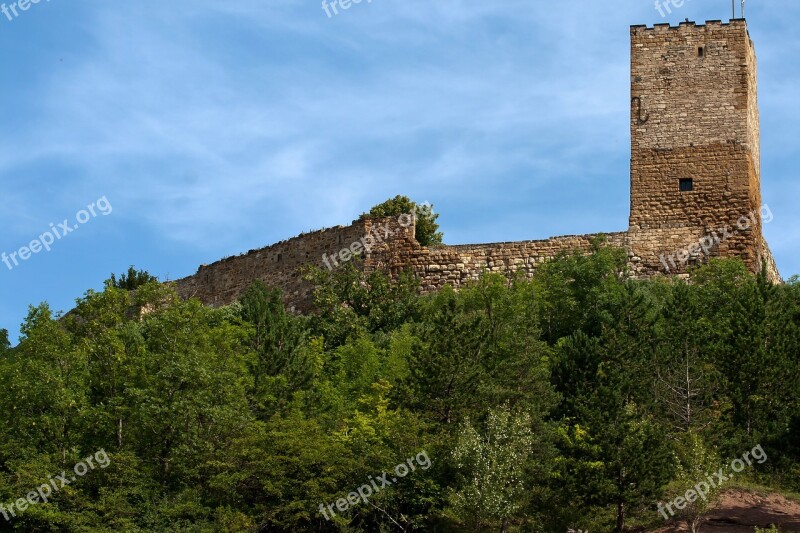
(695, 160)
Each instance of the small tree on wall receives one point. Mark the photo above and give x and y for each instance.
(131, 280)
(427, 230)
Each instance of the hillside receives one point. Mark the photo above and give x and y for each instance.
(740, 511)
(577, 398)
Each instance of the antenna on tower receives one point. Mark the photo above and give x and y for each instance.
(733, 9)
(743, 8)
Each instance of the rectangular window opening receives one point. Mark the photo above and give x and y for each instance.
(701, 51)
(686, 184)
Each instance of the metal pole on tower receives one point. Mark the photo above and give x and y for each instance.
(743, 8)
(733, 9)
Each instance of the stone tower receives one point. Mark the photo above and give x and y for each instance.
(695, 162)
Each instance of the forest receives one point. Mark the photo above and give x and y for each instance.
(578, 398)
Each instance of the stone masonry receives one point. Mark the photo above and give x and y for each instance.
(695, 186)
(694, 116)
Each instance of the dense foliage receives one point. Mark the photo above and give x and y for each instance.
(576, 399)
(426, 230)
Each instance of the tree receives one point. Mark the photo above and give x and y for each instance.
(279, 341)
(616, 452)
(491, 465)
(686, 381)
(618, 460)
(188, 390)
(755, 346)
(427, 230)
(351, 301)
(5, 346)
(693, 461)
(574, 289)
(131, 280)
(100, 321)
(46, 389)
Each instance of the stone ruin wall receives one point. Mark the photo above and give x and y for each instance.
(281, 265)
(768, 260)
(457, 265)
(396, 250)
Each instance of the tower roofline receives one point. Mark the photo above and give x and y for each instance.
(690, 23)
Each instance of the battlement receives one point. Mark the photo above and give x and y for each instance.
(688, 26)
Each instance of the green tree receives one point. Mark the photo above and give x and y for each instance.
(693, 460)
(573, 289)
(100, 323)
(618, 460)
(46, 389)
(616, 452)
(131, 280)
(491, 466)
(5, 345)
(284, 363)
(188, 390)
(686, 380)
(755, 347)
(426, 230)
(351, 302)
(479, 347)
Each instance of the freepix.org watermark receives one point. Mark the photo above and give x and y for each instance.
(333, 8)
(12, 10)
(376, 236)
(365, 243)
(367, 490)
(664, 7)
(56, 232)
(702, 489)
(707, 243)
(54, 484)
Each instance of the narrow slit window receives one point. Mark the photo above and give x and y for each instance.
(686, 184)
(701, 51)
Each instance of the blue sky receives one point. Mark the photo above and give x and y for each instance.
(213, 128)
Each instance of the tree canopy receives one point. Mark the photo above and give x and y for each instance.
(577, 399)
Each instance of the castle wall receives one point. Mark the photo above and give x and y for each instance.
(280, 266)
(694, 114)
(457, 265)
(769, 263)
(393, 250)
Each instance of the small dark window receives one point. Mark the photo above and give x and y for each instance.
(686, 184)
(701, 52)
